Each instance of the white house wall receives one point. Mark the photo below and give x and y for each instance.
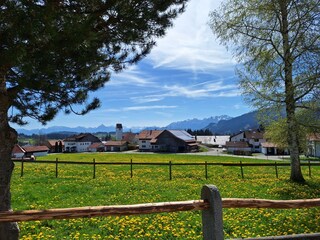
(144, 145)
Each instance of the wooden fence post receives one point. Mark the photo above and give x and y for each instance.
(212, 223)
(241, 169)
(56, 167)
(170, 170)
(206, 169)
(22, 168)
(309, 169)
(276, 167)
(131, 170)
(94, 168)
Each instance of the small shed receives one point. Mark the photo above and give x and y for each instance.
(36, 151)
(238, 148)
(116, 146)
(96, 147)
(269, 148)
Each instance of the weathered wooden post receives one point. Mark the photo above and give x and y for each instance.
(212, 223)
(206, 169)
(94, 168)
(56, 167)
(131, 170)
(309, 168)
(241, 169)
(22, 161)
(170, 170)
(276, 167)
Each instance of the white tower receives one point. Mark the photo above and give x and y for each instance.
(118, 132)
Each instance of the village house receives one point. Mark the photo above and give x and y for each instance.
(167, 141)
(215, 141)
(80, 142)
(313, 145)
(254, 138)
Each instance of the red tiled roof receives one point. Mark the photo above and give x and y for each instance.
(18, 149)
(96, 145)
(149, 134)
(115, 143)
(36, 148)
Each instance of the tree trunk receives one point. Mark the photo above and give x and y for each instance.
(8, 137)
(293, 131)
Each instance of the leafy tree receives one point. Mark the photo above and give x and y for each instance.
(277, 43)
(54, 53)
(60, 148)
(56, 147)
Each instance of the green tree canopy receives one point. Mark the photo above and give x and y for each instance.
(54, 53)
(277, 43)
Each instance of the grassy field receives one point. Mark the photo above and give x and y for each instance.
(75, 187)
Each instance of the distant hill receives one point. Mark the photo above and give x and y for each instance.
(218, 125)
(62, 129)
(196, 124)
(236, 124)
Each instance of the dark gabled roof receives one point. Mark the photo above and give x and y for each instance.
(255, 134)
(183, 135)
(82, 137)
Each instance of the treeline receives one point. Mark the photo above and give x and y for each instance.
(201, 132)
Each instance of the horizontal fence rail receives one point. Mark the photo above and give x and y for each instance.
(149, 208)
(211, 205)
(170, 164)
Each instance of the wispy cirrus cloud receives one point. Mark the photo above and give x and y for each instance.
(208, 89)
(191, 45)
(131, 76)
(140, 108)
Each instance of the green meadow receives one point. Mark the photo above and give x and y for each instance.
(75, 187)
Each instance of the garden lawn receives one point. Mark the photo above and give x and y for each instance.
(75, 187)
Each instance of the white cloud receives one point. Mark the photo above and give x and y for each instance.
(190, 44)
(131, 76)
(140, 108)
(200, 90)
(137, 108)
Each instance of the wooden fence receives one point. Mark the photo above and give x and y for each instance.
(211, 205)
(170, 165)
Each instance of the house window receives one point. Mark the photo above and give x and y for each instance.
(143, 141)
(144, 146)
(256, 140)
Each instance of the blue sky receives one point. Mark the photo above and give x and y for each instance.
(187, 75)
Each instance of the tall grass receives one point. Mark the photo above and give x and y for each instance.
(75, 187)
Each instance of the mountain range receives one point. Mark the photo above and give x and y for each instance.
(218, 125)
